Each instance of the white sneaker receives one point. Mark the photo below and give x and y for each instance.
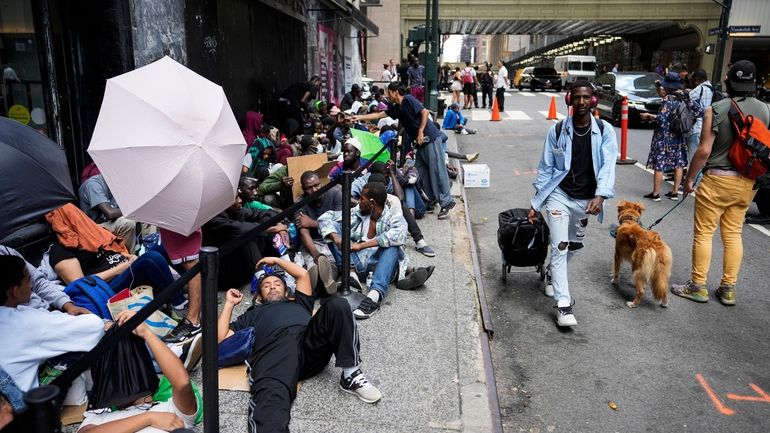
(464, 132)
(564, 316)
(358, 385)
(548, 285)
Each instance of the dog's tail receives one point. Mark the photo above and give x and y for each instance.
(661, 272)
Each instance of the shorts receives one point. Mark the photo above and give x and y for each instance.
(469, 88)
(181, 248)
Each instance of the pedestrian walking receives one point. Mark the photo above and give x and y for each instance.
(387, 76)
(575, 175)
(668, 148)
(723, 195)
(487, 83)
(457, 86)
(501, 84)
(703, 94)
(469, 78)
(429, 158)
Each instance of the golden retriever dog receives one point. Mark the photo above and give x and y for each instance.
(650, 257)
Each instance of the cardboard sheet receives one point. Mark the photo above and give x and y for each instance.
(235, 378)
(73, 414)
(300, 164)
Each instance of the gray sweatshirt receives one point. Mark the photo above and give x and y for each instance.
(45, 293)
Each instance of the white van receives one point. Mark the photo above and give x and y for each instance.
(573, 68)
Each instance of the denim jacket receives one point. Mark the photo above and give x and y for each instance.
(11, 392)
(556, 160)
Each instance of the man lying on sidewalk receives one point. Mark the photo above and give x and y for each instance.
(377, 234)
(292, 344)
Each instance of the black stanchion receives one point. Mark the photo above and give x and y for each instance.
(42, 410)
(353, 298)
(209, 257)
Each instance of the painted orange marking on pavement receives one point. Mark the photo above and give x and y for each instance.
(724, 410)
(763, 396)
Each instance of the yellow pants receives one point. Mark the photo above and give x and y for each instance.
(722, 201)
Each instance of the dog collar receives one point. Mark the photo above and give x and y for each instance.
(630, 218)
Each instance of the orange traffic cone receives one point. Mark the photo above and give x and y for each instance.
(552, 110)
(495, 111)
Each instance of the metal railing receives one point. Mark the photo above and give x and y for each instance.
(45, 402)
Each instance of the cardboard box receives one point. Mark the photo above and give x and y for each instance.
(476, 175)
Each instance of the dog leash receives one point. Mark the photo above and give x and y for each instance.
(695, 184)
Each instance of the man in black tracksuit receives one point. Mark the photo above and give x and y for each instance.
(292, 344)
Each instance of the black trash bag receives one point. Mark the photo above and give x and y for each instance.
(522, 243)
(123, 374)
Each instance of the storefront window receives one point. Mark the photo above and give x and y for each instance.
(21, 93)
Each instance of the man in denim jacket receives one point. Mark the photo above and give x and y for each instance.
(575, 175)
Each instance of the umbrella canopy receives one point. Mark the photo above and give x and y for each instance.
(35, 178)
(168, 146)
(370, 145)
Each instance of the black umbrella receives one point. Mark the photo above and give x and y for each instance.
(34, 178)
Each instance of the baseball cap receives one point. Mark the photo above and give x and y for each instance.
(742, 76)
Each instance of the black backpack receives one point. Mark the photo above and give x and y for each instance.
(717, 95)
(522, 243)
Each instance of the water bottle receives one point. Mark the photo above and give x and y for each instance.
(292, 233)
(280, 247)
(369, 280)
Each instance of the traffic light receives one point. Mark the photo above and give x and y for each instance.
(416, 35)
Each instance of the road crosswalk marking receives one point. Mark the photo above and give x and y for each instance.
(558, 115)
(517, 115)
(523, 93)
(481, 115)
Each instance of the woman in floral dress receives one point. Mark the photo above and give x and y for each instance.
(668, 150)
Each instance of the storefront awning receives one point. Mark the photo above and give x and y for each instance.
(356, 17)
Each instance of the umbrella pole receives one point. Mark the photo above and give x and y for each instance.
(353, 298)
(209, 257)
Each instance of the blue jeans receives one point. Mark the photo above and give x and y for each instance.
(567, 219)
(414, 201)
(149, 269)
(693, 141)
(11, 392)
(429, 160)
(382, 262)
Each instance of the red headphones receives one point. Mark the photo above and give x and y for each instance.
(594, 98)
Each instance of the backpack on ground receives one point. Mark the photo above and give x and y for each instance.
(91, 293)
(522, 243)
(683, 118)
(750, 149)
(716, 95)
(468, 75)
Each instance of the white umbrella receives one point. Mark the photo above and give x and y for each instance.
(168, 146)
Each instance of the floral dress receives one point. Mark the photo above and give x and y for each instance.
(668, 150)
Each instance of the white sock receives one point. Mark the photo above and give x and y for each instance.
(563, 304)
(373, 295)
(421, 244)
(348, 371)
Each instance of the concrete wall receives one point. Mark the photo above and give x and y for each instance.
(386, 46)
(158, 29)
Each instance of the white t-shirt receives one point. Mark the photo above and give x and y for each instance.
(502, 75)
(29, 336)
(94, 418)
(394, 204)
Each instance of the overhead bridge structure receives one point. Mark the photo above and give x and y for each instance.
(573, 18)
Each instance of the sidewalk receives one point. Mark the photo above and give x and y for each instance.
(422, 350)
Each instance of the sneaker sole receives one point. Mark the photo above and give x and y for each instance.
(365, 317)
(194, 356)
(325, 274)
(360, 397)
(424, 253)
(565, 324)
(313, 272)
(725, 302)
(414, 280)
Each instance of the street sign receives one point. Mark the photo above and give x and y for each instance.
(744, 29)
(710, 48)
(715, 31)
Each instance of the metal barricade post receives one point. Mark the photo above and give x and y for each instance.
(353, 298)
(43, 412)
(209, 257)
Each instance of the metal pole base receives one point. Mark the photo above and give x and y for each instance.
(626, 161)
(353, 298)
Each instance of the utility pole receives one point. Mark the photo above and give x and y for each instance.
(431, 55)
(724, 27)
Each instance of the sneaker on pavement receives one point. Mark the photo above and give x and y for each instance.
(565, 317)
(672, 196)
(471, 130)
(355, 283)
(366, 309)
(548, 284)
(326, 274)
(424, 248)
(444, 213)
(417, 278)
(430, 207)
(358, 385)
(184, 331)
(191, 352)
(464, 132)
(726, 295)
(653, 197)
(691, 291)
(472, 156)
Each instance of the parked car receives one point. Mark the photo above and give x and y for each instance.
(540, 77)
(638, 87)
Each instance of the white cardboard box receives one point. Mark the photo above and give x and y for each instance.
(476, 175)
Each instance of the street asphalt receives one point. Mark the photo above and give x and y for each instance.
(691, 367)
